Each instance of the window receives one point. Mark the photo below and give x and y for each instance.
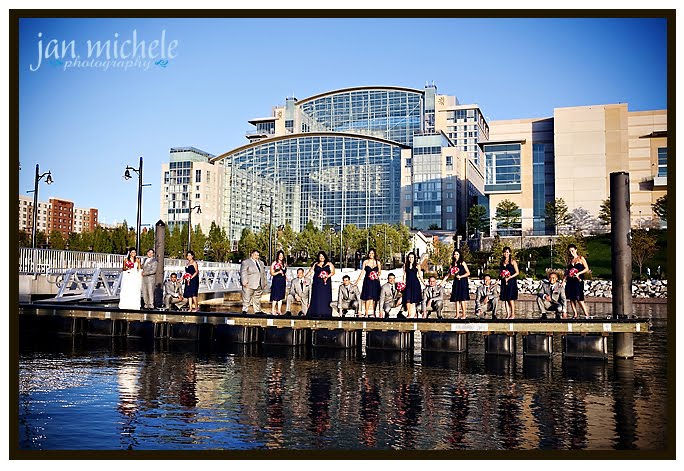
(502, 167)
(662, 161)
(409, 162)
(198, 176)
(197, 196)
(449, 209)
(449, 161)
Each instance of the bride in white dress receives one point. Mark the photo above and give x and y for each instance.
(131, 282)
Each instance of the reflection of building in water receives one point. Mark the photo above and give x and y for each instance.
(459, 416)
(509, 423)
(275, 415)
(369, 413)
(127, 380)
(319, 403)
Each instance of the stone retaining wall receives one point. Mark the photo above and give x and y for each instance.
(596, 288)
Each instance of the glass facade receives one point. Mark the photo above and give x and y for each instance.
(538, 189)
(502, 167)
(662, 161)
(384, 113)
(319, 177)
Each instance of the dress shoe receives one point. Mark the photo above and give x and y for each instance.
(244, 313)
(400, 315)
(543, 316)
(261, 313)
(494, 317)
(288, 314)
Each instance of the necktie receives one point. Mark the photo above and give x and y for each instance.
(392, 290)
(257, 265)
(301, 283)
(432, 292)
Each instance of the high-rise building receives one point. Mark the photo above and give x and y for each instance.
(189, 180)
(388, 154)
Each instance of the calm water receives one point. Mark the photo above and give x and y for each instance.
(81, 394)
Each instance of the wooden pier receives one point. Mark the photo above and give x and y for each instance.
(584, 337)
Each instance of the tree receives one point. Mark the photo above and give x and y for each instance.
(102, 241)
(309, 242)
(246, 244)
(507, 215)
(24, 239)
(604, 212)
(147, 240)
(353, 238)
(441, 255)
(285, 238)
(644, 246)
(497, 249)
(582, 220)
(660, 207)
(173, 242)
(219, 245)
(477, 219)
(199, 242)
(433, 227)
(557, 213)
(57, 240)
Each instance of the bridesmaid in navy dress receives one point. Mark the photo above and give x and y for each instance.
(574, 281)
(509, 285)
(278, 282)
(370, 292)
(413, 292)
(321, 287)
(460, 292)
(192, 284)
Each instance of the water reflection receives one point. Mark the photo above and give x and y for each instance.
(182, 395)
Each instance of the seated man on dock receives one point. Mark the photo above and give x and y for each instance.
(433, 298)
(487, 295)
(173, 293)
(300, 291)
(390, 296)
(551, 296)
(348, 297)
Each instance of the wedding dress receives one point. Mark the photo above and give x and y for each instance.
(131, 289)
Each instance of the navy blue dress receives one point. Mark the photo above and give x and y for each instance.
(574, 288)
(321, 294)
(371, 288)
(278, 287)
(459, 288)
(509, 290)
(412, 292)
(192, 287)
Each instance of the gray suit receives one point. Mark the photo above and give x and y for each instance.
(300, 291)
(487, 299)
(253, 280)
(173, 293)
(390, 297)
(348, 297)
(557, 294)
(433, 300)
(149, 270)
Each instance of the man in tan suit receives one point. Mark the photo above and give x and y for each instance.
(348, 297)
(300, 291)
(253, 280)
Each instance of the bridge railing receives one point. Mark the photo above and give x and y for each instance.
(48, 261)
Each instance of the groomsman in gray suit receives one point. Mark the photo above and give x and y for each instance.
(253, 279)
(390, 296)
(348, 297)
(149, 270)
(300, 291)
(486, 297)
(551, 296)
(433, 298)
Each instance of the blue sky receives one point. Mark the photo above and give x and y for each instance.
(87, 124)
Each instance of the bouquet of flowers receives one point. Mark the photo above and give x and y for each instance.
(401, 286)
(453, 271)
(187, 277)
(504, 273)
(324, 275)
(277, 266)
(373, 275)
(129, 264)
(573, 272)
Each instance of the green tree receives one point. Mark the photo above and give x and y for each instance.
(644, 247)
(440, 256)
(309, 242)
(219, 245)
(174, 242)
(604, 212)
(41, 239)
(477, 219)
(120, 240)
(102, 241)
(285, 239)
(24, 238)
(660, 207)
(557, 213)
(582, 221)
(147, 240)
(354, 239)
(246, 244)
(57, 240)
(199, 242)
(507, 215)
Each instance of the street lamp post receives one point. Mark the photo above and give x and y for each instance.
(384, 246)
(551, 257)
(332, 231)
(199, 211)
(270, 225)
(127, 176)
(49, 181)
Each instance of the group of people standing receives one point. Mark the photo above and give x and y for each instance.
(416, 296)
(137, 281)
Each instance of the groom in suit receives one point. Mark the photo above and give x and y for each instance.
(253, 280)
(348, 297)
(300, 291)
(149, 270)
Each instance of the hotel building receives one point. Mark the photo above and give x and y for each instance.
(56, 215)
